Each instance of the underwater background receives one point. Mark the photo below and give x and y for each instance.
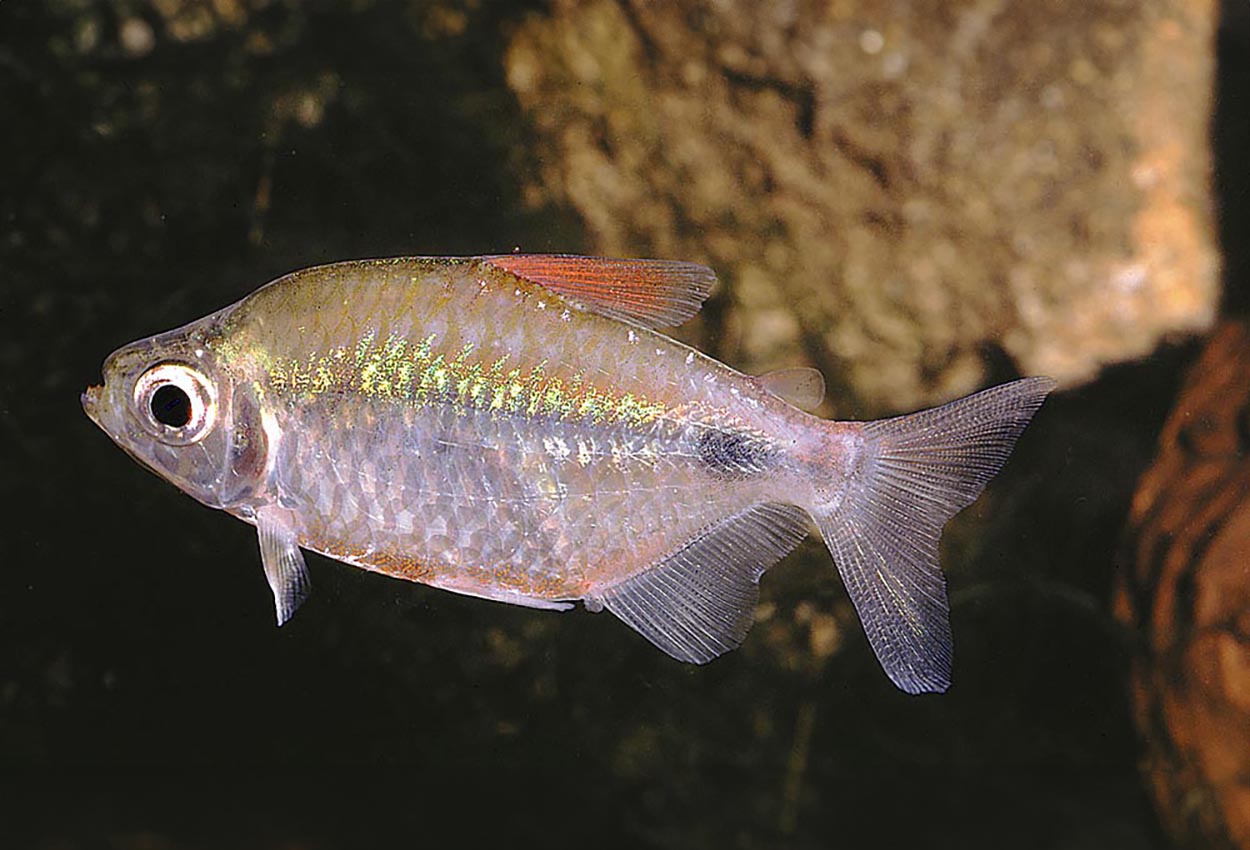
(918, 199)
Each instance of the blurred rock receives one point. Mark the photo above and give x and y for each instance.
(894, 191)
(1185, 593)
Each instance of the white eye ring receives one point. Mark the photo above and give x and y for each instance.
(176, 403)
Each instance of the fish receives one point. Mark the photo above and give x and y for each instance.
(516, 427)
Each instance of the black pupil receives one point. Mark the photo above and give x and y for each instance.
(171, 406)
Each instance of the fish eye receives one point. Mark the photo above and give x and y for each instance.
(170, 405)
(176, 403)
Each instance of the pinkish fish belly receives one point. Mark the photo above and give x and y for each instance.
(502, 506)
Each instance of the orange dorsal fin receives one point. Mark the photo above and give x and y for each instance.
(651, 293)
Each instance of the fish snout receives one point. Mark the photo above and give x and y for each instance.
(91, 401)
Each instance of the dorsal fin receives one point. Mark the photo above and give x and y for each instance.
(802, 386)
(700, 601)
(651, 293)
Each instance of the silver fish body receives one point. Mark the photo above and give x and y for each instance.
(515, 428)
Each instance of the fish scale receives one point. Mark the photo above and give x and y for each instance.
(494, 491)
(514, 427)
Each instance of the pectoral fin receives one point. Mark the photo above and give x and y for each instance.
(283, 561)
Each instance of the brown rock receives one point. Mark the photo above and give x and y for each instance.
(1185, 593)
(889, 190)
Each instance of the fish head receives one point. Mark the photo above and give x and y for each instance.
(175, 403)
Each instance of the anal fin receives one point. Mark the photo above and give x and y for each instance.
(283, 561)
(700, 601)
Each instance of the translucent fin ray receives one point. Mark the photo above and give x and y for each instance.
(914, 474)
(283, 561)
(700, 601)
(651, 293)
(802, 386)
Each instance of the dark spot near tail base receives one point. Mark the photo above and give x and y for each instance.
(734, 454)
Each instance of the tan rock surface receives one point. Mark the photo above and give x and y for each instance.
(893, 191)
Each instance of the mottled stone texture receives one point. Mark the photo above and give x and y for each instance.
(1185, 594)
(894, 191)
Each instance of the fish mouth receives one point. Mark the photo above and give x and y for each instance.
(90, 401)
(91, 406)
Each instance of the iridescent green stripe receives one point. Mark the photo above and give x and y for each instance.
(397, 370)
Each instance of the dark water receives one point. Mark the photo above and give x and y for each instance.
(146, 699)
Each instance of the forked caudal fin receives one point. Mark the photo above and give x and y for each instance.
(912, 474)
(902, 479)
